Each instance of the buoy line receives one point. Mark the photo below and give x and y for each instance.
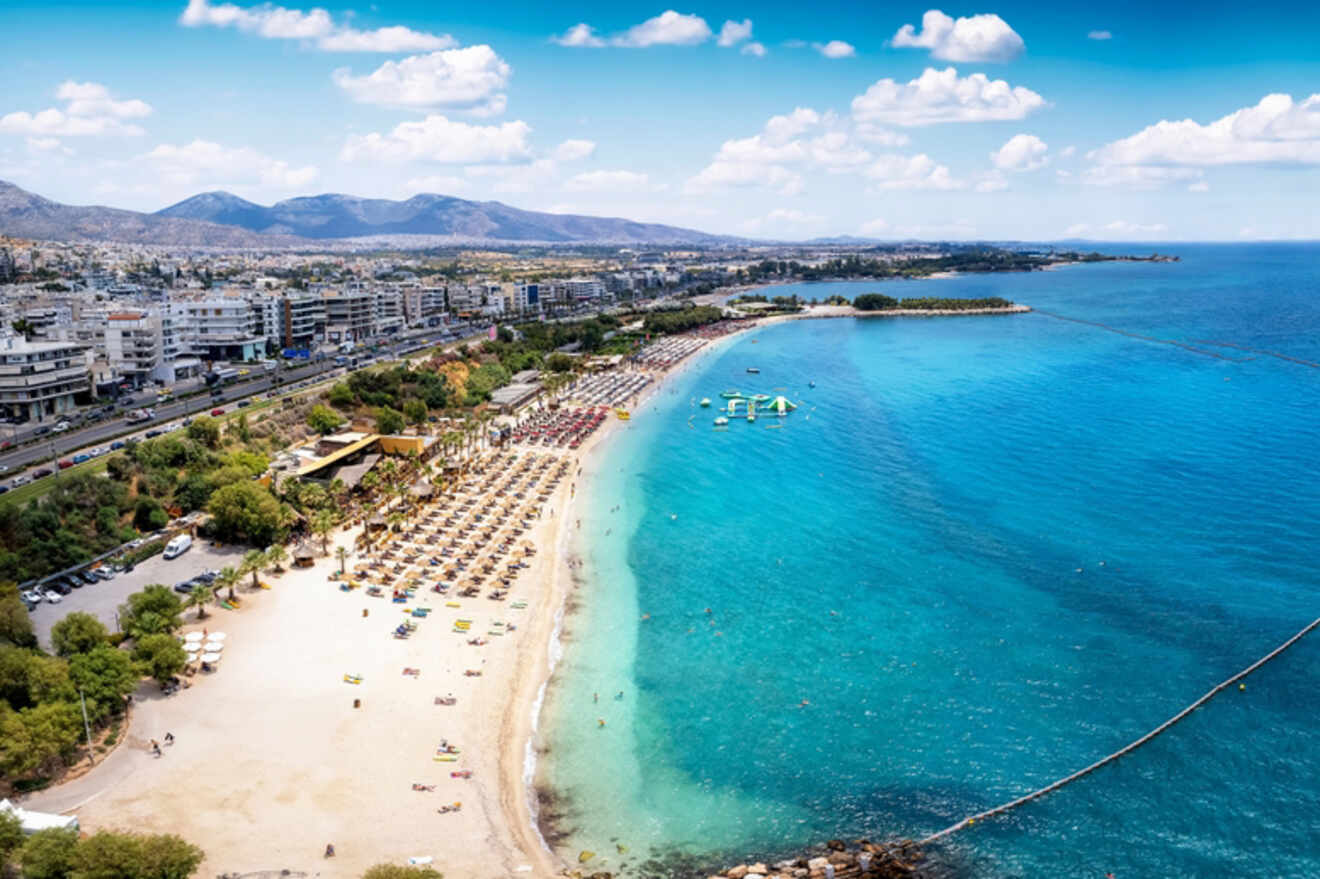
(1163, 727)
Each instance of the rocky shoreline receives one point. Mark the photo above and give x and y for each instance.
(837, 859)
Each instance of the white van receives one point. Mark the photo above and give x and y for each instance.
(178, 546)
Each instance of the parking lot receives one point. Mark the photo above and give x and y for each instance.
(103, 599)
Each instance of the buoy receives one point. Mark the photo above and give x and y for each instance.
(1242, 687)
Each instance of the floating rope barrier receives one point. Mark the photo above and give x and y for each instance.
(1262, 351)
(1163, 727)
(1131, 335)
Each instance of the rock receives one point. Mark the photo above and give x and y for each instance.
(785, 865)
(817, 865)
(758, 867)
(836, 845)
(800, 872)
(737, 872)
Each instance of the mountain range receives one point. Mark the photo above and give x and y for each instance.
(220, 219)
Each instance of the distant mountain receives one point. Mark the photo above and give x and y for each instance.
(347, 216)
(25, 215)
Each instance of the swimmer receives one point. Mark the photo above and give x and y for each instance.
(600, 722)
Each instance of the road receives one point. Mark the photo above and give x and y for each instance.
(103, 599)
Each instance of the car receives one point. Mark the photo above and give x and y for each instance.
(151, 434)
(185, 587)
(207, 576)
(98, 451)
(116, 445)
(105, 572)
(62, 426)
(18, 481)
(42, 431)
(59, 586)
(81, 458)
(4, 468)
(186, 422)
(7, 444)
(243, 403)
(32, 595)
(41, 472)
(52, 596)
(65, 464)
(88, 577)
(217, 411)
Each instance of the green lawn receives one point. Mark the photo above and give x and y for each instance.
(40, 487)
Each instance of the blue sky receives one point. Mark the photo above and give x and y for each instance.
(1125, 121)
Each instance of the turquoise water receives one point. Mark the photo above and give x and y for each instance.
(986, 551)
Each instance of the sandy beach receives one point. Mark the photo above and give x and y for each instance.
(271, 761)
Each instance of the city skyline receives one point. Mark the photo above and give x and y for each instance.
(995, 121)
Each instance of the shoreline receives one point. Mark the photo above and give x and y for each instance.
(523, 739)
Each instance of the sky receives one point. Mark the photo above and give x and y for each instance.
(1151, 121)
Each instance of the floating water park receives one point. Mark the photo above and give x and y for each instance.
(749, 406)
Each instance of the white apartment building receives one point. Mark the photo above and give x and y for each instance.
(388, 312)
(581, 289)
(39, 380)
(219, 329)
(302, 320)
(133, 346)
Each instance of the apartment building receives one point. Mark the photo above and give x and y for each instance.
(303, 319)
(39, 380)
(219, 329)
(350, 315)
(134, 347)
(388, 313)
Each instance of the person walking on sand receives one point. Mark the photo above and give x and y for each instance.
(169, 738)
(329, 849)
(155, 747)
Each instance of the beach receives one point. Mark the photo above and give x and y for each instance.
(271, 760)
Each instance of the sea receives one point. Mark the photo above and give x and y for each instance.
(981, 553)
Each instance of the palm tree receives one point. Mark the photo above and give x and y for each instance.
(338, 489)
(341, 553)
(276, 556)
(370, 482)
(24, 328)
(253, 561)
(198, 598)
(395, 519)
(227, 579)
(323, 522)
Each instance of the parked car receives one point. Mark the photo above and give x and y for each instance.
(185, 587)
(81, 458)
(4, 468)
(105, 572)
(244, 403)
(116, 445)
(88, 577)
(7, 444)
(41, 472)
(178, 546)
(52, 596)
(217, 412)
(59, 586)
(151, 434)
(3, 489)
(62, 426)
(65, 464)
(20, 480)
(207, 576)
(32, 595)
(42, 431)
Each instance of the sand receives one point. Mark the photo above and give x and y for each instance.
(271, 761)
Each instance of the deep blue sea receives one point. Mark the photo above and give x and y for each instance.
(986, 551)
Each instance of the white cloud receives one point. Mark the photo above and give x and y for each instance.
(669, 28)
(438, 139)
(1067, 152)
(880, 228)
(789, 220)
(470, 79)
(942, 96)
(1099, 35)
(314, 26)
(573, 150)
(1199, 186)
(992, 182)
(435, 183)
(1138, 176)
(530, 177)
(1275, 131)
(1118, 229)
(836, 151)
(870, 133)
(203, 162)
(579, 36)
(754, 48)
(719, 174)
(735, 32)
(975, 38)
(835, 49)
(610, 181)
(89, 111)
(781, 129)
(1021, 152)
(892, 171)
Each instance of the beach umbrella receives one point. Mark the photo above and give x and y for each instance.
(216, 636)
(210, 657)
(193, 637)
(214, 646)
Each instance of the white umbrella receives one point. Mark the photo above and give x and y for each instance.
(214, 646)
(192, 655)
(193, 637)
(210, 657)
(216, 636)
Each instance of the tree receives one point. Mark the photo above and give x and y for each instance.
(276, 556)
(48, 854)
(323, 523)
(161, 656)
(23, 327)
(107, 855)
(246, 509)
(414, 410)
(15, 622)
(199, 597)
(253, 561)
(323, 419)
(227, 579)
(78, 633)
(148, 515)
(205, 430)
(342, 555)
(388, 420)
(398, 871)
(341, 396)
(104, 675)
(154, 610)
(11, 836)
(559, 363)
